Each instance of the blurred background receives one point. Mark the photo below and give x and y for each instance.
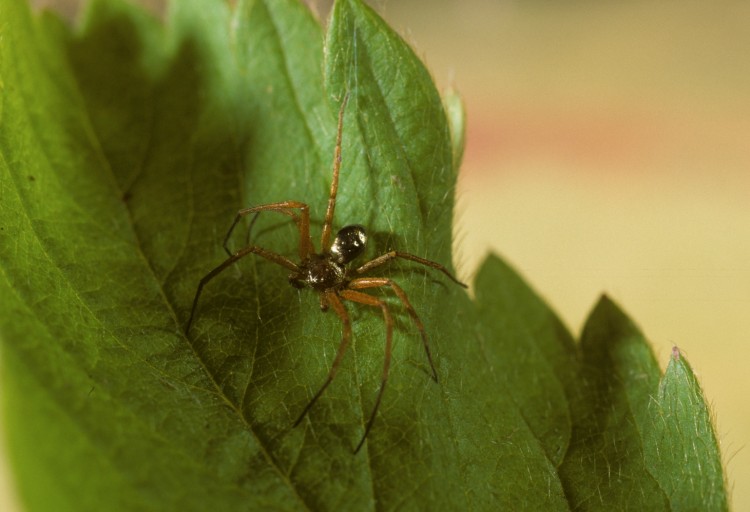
(608, 150)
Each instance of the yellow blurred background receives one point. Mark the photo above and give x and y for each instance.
(608, 150)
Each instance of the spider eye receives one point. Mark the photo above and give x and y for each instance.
(349, 243)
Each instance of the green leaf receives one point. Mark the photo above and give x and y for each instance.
(454, 109)
(126, 148)
(681, 449)
(650, 436)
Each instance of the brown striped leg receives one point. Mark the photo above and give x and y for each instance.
(385, 258)
(271, 256)
(363, 298)
(377, 282)
(285, 208)
(335, 302)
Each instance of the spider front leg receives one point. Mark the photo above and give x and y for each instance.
(285, 208)
(330, 298)
(369, 300)
(271, 256)
(377, 282)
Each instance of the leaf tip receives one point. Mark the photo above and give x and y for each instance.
(456, 113)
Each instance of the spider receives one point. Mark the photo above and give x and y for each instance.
(330, 274)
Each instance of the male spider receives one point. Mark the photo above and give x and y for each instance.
(329, 273)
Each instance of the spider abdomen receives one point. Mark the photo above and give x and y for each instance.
(349, 243)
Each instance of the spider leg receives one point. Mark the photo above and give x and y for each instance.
(376, 282)
(249, 231)
(325, 238)
(271, 256)
(392, 255)
(285, 208)
(363, 298)
(323, 302)
(335, 302)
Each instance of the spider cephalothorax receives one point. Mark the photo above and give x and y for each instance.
(328, 270)
(330, 273)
